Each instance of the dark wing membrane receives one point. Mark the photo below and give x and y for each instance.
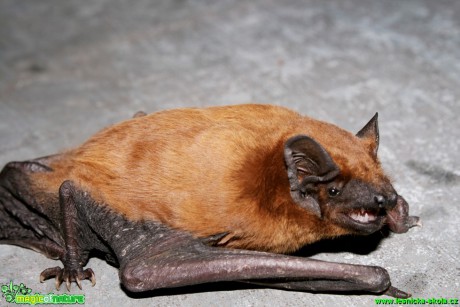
(22, 220)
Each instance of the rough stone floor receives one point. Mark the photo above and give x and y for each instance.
(70, 68)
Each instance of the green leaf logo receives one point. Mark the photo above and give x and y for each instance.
(10, 291)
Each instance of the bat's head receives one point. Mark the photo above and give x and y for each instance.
(339, 179)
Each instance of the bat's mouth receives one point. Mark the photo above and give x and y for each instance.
(367, 220)
(363, 216)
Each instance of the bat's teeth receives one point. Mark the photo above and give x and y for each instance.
(363, 216)
(372, 217)
(358, 217)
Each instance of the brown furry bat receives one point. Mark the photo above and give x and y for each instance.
(190, 196)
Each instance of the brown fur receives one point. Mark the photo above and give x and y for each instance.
(213, 170)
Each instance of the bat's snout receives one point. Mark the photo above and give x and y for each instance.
(387, 202)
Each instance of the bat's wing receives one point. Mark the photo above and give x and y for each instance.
(169, 258)
(22, 220)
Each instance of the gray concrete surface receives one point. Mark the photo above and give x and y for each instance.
(69, 68)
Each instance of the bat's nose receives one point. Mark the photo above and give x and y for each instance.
(387, 202)
(380, 200)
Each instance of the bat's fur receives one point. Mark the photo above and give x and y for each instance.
(230, 170)
(211, 171)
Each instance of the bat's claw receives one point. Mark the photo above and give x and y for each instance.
(68, 276)
(91, 276)
(44, 275)
(51, 272)
(79, 283)
(413, 221)
(395, 292)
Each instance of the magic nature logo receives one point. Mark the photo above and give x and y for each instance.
(20, 294)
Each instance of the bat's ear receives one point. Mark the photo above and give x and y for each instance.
(308, 164)
(371, 132)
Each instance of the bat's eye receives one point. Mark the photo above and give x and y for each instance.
(333, 191)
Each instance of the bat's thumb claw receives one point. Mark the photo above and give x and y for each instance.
(413, 221)
(395, 292)
(404, 224)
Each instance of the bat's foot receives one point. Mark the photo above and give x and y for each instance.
(68, 276)
(74, 256)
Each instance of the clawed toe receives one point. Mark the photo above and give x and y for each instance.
(68, 276)
(50, 272)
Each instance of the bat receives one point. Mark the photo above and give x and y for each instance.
(200, 195)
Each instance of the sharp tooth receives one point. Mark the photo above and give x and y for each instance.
(363, 216)
(355, 216)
